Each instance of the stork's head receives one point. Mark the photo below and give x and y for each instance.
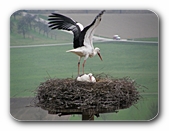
(90, 76)
(98, 52)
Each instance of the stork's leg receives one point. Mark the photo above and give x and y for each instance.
(84, 65)
(79, 66)
(85, 61)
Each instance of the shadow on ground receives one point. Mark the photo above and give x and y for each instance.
(20, 110)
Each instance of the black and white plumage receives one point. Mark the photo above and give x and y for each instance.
(83, 38)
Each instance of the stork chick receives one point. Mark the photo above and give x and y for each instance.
(86, 77)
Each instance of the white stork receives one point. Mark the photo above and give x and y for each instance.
(82, 42)
(86, 77)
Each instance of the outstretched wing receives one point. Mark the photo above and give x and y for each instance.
(58, 21)
(87, 34)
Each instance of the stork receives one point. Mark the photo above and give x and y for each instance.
(86, 77)
(83, 37)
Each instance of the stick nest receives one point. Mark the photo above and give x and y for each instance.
(68, 96)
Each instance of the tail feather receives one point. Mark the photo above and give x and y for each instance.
(68, 51)
(72, 50)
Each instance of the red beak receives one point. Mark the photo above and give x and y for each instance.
(99, 56)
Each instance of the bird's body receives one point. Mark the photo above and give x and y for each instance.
(84, 51)
(86, 77)
(83, 37)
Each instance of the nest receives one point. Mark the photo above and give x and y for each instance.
(68, 96)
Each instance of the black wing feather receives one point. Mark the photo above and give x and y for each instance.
(58, 21)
